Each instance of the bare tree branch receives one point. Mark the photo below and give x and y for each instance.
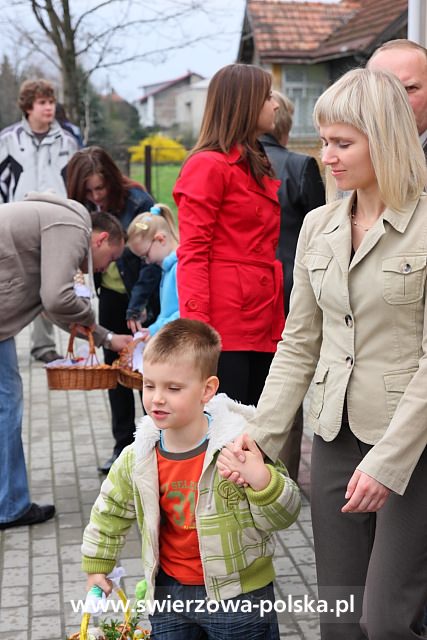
(82, 41)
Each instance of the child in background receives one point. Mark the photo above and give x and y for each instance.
(153, 235)
(203, 538)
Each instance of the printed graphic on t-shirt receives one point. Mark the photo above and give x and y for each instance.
(178, 499)
(179, 476)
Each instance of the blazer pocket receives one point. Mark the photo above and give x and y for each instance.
(395, 383)
(404, 279)
(316, 265)
(319, 383)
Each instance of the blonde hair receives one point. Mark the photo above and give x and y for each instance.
(283, 115)
(147, 224)
(375, 103)
(186, 339)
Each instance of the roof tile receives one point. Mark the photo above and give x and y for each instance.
(283, 29)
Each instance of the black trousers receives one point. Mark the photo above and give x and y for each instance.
(112, 316)
(380, 557)
(242, 374)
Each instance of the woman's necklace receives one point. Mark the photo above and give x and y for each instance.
(354, 221)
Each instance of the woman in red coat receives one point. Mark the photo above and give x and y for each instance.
(229, 223)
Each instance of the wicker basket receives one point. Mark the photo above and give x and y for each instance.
(126, 376)
(124, 628)
(91, 375)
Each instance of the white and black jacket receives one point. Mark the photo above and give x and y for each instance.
(28, 164)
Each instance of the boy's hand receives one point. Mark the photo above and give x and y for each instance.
(252, 471)
(99, 580)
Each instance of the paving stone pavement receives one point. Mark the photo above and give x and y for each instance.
(66, 435)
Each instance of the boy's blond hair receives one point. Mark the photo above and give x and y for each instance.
(184, 338)
(147, 224)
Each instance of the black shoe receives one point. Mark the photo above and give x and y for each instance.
(108, 464)
(49, 356)
(35, 515)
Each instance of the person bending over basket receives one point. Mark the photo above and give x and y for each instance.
(45, 240)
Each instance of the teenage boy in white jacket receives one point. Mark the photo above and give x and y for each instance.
(34, 153)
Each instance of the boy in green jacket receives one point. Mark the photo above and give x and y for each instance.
(207, 544)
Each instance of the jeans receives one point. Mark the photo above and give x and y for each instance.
(211, 622)
(14, 492)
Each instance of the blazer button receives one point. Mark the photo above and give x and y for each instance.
(349, 362)
(349, 321)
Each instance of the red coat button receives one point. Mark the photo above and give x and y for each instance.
(192, 304)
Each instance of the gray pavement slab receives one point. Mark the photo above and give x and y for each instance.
(66, 436)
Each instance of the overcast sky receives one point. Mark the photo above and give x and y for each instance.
(221, 19)
(204, 58)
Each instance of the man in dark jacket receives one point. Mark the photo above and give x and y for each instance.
(301, 190)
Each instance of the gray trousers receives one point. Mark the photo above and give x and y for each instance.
(290, 454)
(42, 336)
(382, 554)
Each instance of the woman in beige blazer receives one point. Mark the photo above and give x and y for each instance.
(358, 329)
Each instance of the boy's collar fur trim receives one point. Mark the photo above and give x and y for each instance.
(229, 419)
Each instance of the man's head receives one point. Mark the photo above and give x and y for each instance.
(37, 103)
(107, 242)
(180, 365)
(408, 61)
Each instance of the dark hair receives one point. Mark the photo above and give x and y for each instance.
(30, 90)
(95, 160)
(60, 113)
(183, 338)
(102, 221)
(236, 95)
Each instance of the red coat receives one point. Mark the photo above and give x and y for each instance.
(227, 272)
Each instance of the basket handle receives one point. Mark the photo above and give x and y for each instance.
(73, 335)
(86, 616)
(130, 347)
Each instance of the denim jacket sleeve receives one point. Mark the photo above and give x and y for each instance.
(146, 289)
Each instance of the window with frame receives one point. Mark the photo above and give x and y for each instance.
(303, 85)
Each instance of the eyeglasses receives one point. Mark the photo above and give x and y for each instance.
(147, 252)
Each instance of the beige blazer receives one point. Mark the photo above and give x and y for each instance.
(356, 328)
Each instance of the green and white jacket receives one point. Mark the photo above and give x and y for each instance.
(235, 526)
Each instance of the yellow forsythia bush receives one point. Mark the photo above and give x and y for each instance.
(163, 150)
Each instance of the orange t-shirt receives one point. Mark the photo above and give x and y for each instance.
(179, 475)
